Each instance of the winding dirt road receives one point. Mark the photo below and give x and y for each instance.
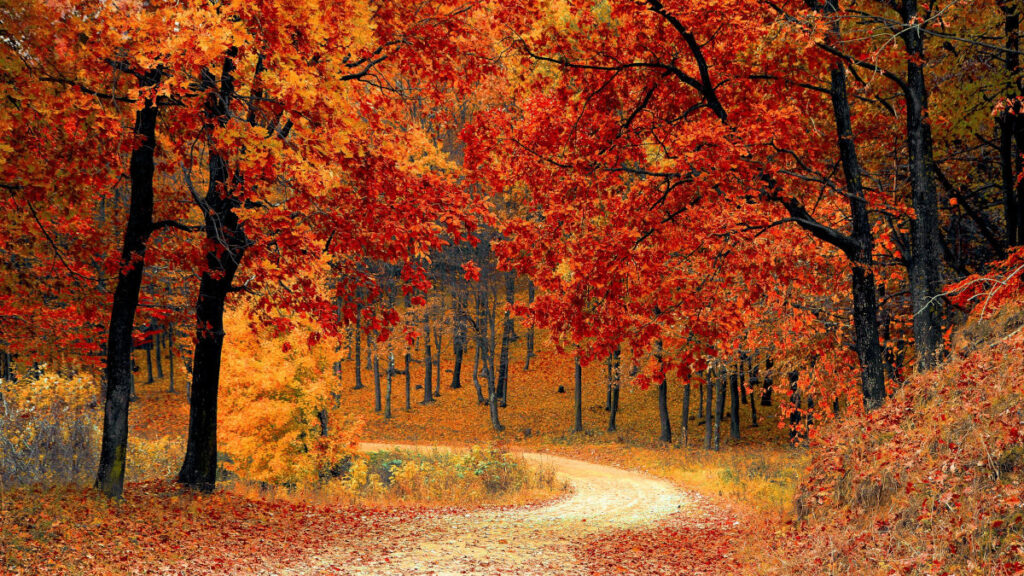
(529, 541)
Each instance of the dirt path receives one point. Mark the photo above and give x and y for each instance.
(530, 541)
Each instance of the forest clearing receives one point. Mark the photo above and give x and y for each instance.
(539, 287)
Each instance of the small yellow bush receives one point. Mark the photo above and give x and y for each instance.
(275, 390)
(49, 429)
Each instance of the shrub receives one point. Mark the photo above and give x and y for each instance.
(479, 475)
(275, 390)
(49, 430)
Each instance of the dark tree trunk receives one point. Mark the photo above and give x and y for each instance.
(578, 395)
(459, 341)
(476, 376)
(926, 257)
(734, 406)
(428, 362)
(324, 420)
(506, 339)
(156, 352)
(700, 404)
(387, 391)
(865, 298)
(684, 426)
(709, 409)
(118, 370)
(485, 337)
(438, 335)
(754, 381)
(666, 424)
(797, 400)
(719, 409)
(376, 383)
(859, 245)
(408, 382)
(1011, 127)
(149, 365)
(613, 411)
(226, 236)
(358, 353)
(531, 292)
(170, 358)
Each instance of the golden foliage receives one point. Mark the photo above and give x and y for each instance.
(275, 391)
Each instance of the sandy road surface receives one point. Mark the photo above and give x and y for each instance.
(529, 541)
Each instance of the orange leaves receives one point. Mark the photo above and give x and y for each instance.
(472, 271)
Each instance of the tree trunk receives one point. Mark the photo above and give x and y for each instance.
(458, 341)
(613, 411)
(506, 339)
(376, 383)
(666, 424)
(719, 409)
(476, 376)
(156, 352)
(754, 381)
(227, 240)
(387, 392)
(708, 411)
(358, 353)
(578, 395)
(170, 358)
(926, 257)
(531, 292)
(734, 406)
(438, 335)
(684, 426)
(118, 370)
(485, 338)
(408, 382)
(428, 363)
(149, 365)
(1011, 128)
(865, 298)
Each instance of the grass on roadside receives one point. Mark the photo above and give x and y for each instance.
(479, 476)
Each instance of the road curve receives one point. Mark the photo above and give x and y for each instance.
(532, 540)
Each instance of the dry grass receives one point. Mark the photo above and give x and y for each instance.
(476, 477)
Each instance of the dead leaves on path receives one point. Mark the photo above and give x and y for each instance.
(700, 540)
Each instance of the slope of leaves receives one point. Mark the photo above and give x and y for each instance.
(931, 484)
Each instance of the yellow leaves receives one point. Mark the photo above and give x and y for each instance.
(274, 390)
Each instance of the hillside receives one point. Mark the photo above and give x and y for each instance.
(931, 483)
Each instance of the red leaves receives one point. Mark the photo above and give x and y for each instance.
(700, 540)
(472, 271)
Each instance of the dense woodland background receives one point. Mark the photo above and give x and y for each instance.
(238, 237)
